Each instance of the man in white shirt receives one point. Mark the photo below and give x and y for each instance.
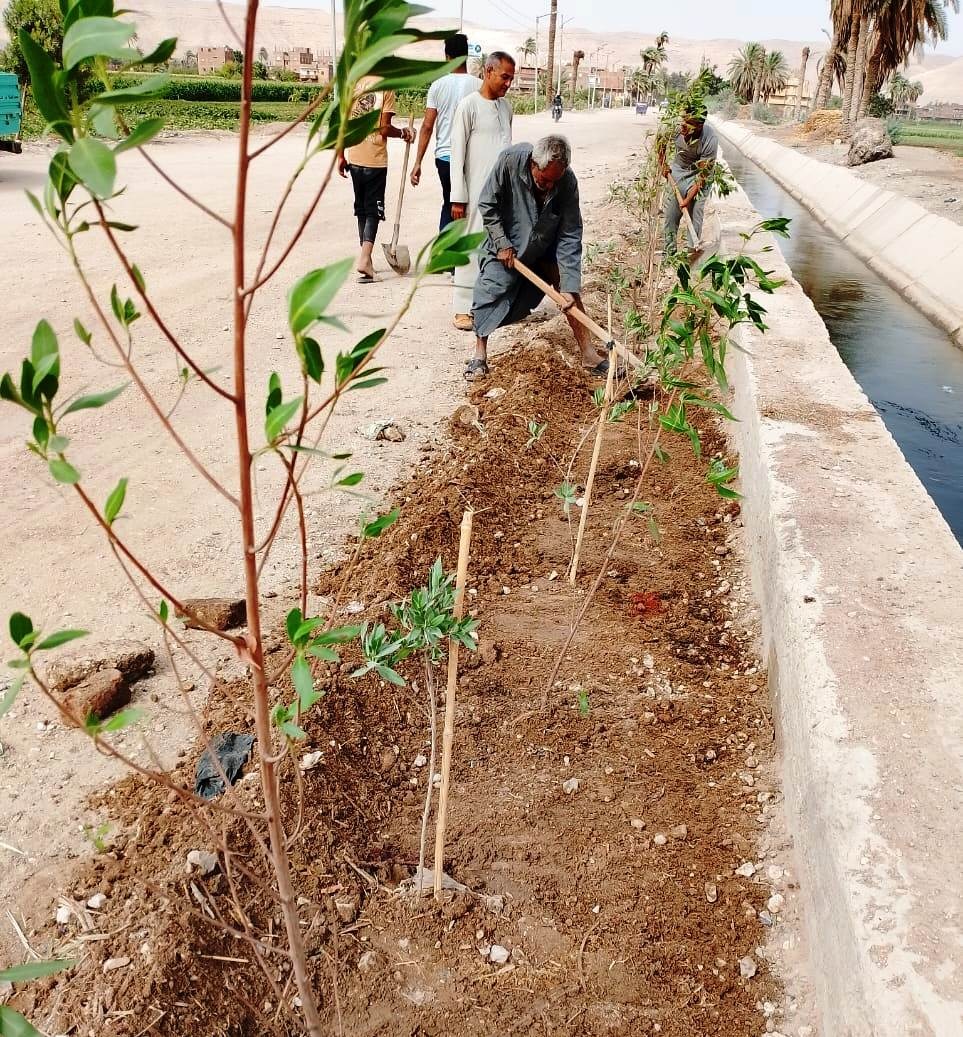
(482, 127)
(444, 96)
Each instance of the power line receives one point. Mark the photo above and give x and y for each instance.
(505, 12)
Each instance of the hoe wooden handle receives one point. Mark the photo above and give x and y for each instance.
(583, 318)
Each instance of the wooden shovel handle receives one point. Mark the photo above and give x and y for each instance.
(583, 318)
(404, 180)
(690, 226)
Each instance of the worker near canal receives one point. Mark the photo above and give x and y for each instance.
(530, 209)
(444, 95)
(696, 149)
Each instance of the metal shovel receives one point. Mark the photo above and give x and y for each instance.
(399, 259)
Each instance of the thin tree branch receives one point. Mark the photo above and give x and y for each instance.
(168, 635)
(278, 209)
(139, 382)
(254, 656)
(186, 195)
(230, 24)
(162, 778)
(156, 317)
(306, 114)
(115, 541)
(261, 281)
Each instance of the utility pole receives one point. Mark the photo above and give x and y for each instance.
(550, 63)
(461, 17)
(593, 71)
(561, 63)
(535, 91)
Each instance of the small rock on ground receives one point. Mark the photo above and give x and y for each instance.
(747, 968)
(348, 908)
(219, 613)
(101, 694)
(202, 861)
(135, 661)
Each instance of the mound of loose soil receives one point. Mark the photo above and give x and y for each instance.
(826, 124)
(617, 901)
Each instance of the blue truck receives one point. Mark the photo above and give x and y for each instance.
(11, 111)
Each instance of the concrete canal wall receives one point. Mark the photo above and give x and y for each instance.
(861, 588)
(917, 252)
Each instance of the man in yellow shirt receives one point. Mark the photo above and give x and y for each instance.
(367, 163)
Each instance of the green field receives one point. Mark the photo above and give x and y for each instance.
(190, 115)
(184, 113)
(946, 137)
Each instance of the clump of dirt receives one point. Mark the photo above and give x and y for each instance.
(823, 125)
(598, 840)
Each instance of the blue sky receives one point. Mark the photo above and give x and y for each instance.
(691, 19)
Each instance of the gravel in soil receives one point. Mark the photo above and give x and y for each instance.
(598, 840)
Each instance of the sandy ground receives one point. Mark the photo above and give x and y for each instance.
(927, 176)
(54, 564)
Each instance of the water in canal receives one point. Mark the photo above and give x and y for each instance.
(910, 369)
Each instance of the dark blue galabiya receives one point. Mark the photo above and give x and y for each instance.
(546, 236)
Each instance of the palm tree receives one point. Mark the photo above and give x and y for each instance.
(550, 66)
(899, 89)
(841, 12)
(900, 28)
(653, 58)
(642, 84)
(745, 70)
(773, 75)
(577, 58)
(263, 56)
(528, 47)
(803, 65)
(854, 12)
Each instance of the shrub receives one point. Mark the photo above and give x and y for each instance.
(724, 103)
(204, 88)
(895, 130)
(763, 113)
(879, 107)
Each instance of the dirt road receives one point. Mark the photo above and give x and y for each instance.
(54, 564)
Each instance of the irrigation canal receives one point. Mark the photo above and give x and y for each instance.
(910, 369)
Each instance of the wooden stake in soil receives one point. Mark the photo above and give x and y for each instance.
(596, 451)
(448, 738)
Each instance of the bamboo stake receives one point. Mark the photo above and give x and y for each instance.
(583, 318)
(448, 739)
(593, 466)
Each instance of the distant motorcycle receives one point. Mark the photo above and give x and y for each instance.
(556, 112)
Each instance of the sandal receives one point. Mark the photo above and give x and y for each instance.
(601, 369)
(476, 370)
(365, 278)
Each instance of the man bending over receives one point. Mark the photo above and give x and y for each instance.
(530, 209)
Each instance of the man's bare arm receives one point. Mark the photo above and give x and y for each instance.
(424, 139)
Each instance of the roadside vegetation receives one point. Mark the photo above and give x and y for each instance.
(679, 321)
(928, 134)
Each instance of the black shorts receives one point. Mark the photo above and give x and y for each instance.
(369, 184)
